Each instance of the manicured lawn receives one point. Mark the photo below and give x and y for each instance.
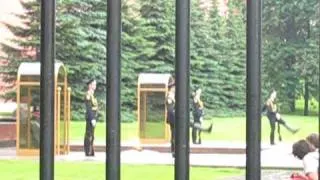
(313, 107)
(226, 128)
(234, 129)
(154, 130)
(6, 113)
(29, 170)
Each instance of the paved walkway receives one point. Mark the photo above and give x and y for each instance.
(205, 144)
(277, 162)
(272, 157)
(267, 175)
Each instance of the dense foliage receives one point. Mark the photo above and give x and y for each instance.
(217, 49)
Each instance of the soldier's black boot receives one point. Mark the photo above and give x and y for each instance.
(209, 130)
(292, 130)
(194, 136)
(272, 138)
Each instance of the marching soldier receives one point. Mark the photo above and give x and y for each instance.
(198, 117)
(274, 117)
(170, 102)
(91, 113)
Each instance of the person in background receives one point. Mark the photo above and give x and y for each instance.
(306, 152)
(170, 104)
(198, 117)
(313, 139)
(91, 113)
(274, 117)
(35, 126)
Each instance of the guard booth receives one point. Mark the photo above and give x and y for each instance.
(152, 112)
(28, 109)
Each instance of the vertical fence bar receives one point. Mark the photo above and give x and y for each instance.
(113, 89)
(253, 123)
(182, 72)
(47, 54)
(319, 108)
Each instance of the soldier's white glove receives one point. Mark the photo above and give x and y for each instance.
(93, 122)
(201, 119)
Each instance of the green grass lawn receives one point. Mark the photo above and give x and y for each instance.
(154, 130)
(6, 113)
(224, 128)
(313, 107)
(234, 129)
(29, 170)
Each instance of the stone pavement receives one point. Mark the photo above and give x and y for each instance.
(210, 153)
(277, 162)
(267, 175)
(275, 157)
(272, 157)
(207, 147)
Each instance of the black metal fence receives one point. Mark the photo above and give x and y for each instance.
(182, 83)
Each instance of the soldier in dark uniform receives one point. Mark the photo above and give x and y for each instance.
(274, 117)
(91, 113)
(170, 103)
(198, 117)
(35, 126)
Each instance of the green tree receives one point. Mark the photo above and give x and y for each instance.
(80, 45)
(205, 29)
(199, 42)
(234, 57)
(135, 55)
(159, 28)
(290, 58)
(23, 46)
(214, 60)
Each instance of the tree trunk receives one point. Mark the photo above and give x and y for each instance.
(292, 100)
(306, 98)
(306, 86)
(292, 104)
